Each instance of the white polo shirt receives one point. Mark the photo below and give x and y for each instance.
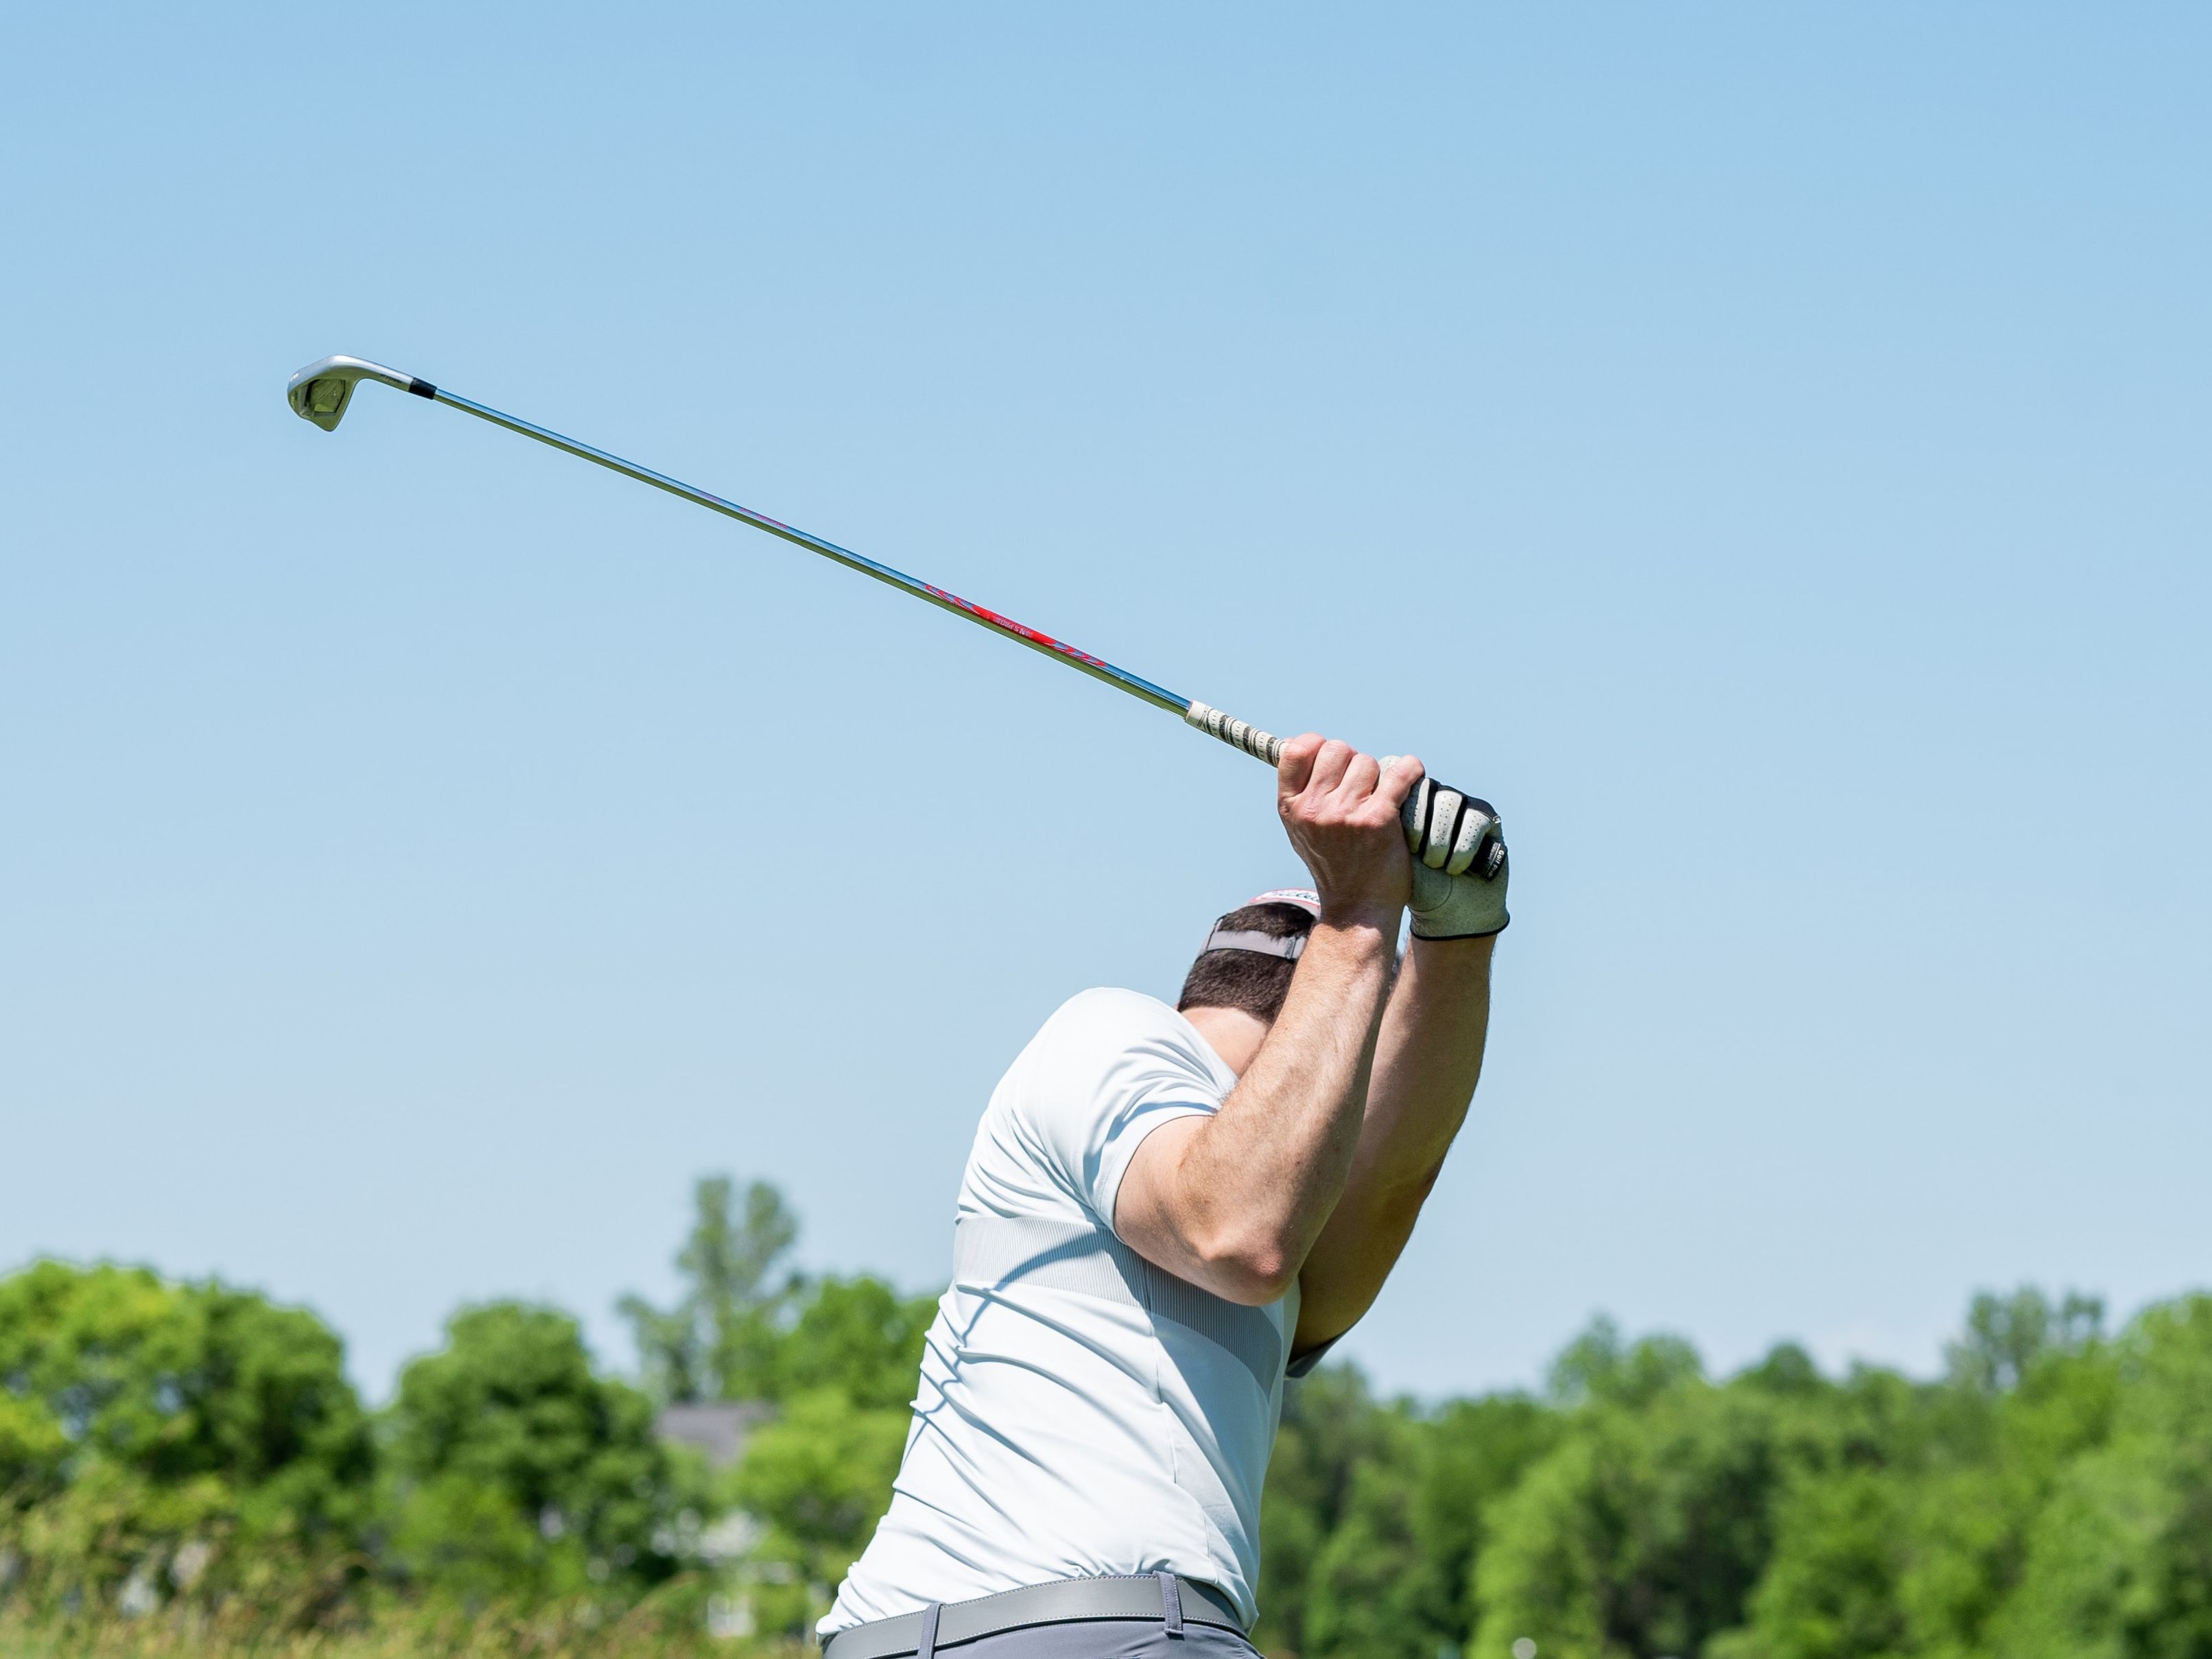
(1081, 1412)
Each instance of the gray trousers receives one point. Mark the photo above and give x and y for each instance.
(1106, 1638)
(1136, 1616)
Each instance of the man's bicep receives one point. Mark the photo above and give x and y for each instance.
(1147, 1213)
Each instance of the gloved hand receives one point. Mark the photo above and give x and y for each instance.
(1455, 839)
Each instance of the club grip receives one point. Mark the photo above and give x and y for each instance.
(1446, 828)
(1260, 746)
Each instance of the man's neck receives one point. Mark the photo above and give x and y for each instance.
(1231, 1033)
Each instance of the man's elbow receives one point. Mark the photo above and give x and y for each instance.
(1252, 1269)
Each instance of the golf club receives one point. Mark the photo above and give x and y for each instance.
(1438, 820)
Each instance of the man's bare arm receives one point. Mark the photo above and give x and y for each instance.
(1234, 1202)
(1428, 1058)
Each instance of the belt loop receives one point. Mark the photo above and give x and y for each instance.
(925, 1646)
(1170, 1603)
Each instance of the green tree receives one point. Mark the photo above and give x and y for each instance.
(1473, 1455)
(517, 1472)
(194, 1434)
(1597, 1365)
(1643, 1530)
(819, 1478)
(857, 1337)
(840, 1357)
(1331, 1427)
(719, 1341)
(1373, 1514)
(1831, 1586)
(1364, 1592)
(2007, 1336)
(1905, 1522)
(2119, 1561)
(1391, 1577)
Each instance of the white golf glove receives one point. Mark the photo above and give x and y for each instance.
(1459, 863)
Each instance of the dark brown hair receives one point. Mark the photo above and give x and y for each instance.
(1245, 978)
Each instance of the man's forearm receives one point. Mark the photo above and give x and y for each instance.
(1256, 1182)
(1428, 1058)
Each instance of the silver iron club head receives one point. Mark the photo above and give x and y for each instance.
(320, 392)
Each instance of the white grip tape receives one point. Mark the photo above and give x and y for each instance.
(1250, 739)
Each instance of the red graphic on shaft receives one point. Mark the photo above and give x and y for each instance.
(1014, 628)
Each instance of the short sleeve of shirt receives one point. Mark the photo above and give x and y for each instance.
(1111, 1067)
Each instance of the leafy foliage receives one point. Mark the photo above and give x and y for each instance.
(821, 1477)
(837, 1356)
(720, 1340)
(171, 1431)
(1643, 1531)
(2050, 1494)
(517, 1471)
(856, 1338)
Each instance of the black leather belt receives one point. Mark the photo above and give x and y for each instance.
(1150, 1596)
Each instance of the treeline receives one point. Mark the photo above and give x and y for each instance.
(182, 1446)
(2051, 1495)
(193, 1446)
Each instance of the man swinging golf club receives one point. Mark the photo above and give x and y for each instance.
(1165, 1212)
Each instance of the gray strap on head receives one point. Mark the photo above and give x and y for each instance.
(1265, 945)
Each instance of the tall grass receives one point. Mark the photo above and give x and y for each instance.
(662, 1629)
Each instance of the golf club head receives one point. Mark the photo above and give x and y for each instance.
(320, 392)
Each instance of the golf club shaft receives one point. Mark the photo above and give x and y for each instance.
(1448, 829)
(1235, 733)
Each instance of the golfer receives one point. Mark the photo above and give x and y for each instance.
(1165, 1212)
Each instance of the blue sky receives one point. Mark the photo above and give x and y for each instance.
(1764, 449)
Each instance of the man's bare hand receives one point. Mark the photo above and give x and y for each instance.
(1340, 809)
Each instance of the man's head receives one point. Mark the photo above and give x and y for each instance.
(1249, 955)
